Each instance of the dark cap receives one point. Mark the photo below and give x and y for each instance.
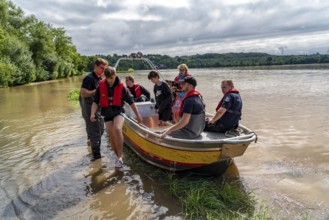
(191, 80)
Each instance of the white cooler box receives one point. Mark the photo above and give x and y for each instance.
(146, 109)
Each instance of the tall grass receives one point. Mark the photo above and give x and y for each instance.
(73, 95)
(204, 197)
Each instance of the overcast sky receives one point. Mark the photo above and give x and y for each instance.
(182, 27)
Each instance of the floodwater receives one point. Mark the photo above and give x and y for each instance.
(45, 168)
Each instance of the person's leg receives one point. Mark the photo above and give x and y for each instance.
(175, 108)
(166, 117)
(95, 137)
(117, 132)
(160, 122)
(86, 116)
(217, 127)
(101, 124)
(110, 133)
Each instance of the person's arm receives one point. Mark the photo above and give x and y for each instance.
(221, 111)
(146, 93)
(181, 124)
(94, 108)
(135, 110)
(85, 93)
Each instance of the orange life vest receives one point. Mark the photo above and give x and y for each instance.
(138, 90)
(104, 94)
(177, 80)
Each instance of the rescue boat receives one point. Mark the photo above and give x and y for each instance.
(211, 153)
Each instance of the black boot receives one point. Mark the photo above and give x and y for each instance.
(95, 148)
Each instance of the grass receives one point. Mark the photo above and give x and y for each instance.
(211, 197)
(73, 95)
(131, 70)
(204, 197)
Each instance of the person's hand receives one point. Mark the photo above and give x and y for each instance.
(92, 117)
(211, 121)
(165, 133)
(173, 89)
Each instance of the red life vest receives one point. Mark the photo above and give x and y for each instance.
(104, 95)
(221, 101)
(138, 90)
(177, 80)
(189, 94)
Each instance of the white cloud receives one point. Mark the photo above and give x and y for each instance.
(188, 27)
(130, 16)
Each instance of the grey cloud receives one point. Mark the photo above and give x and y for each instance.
(197, 28)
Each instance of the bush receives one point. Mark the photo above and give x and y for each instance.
(6, 70)
(74, 95)
(130, 70)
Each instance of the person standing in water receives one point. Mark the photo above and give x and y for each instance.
(94, 129)
(110, 96)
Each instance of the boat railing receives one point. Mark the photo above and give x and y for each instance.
(141, 58)
(233, 140)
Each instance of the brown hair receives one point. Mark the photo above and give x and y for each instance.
(153, 74)
(130, 77)
(229, 82)
(100, 61)
(110, 71)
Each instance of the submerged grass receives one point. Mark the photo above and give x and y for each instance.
(73, 95)
(212, 198)
(204, 197)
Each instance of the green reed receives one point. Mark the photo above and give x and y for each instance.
(204, 197)
(73, 95)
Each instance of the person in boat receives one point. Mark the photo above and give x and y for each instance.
(163, 98)
(228, 110)
(110, 96)
(139, 93)
(177, 89)
(192, 113)
(94, 129)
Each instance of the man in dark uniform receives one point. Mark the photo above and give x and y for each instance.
(192, 113)
(88, 88)
(139, 93)
(228, 111)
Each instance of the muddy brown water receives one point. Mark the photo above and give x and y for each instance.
(45, 169)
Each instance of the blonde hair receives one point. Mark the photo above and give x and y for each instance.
(183, 65)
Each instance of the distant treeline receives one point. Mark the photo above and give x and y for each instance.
(33, 51)
(219, 60)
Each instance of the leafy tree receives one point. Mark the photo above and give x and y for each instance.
(34, 50)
